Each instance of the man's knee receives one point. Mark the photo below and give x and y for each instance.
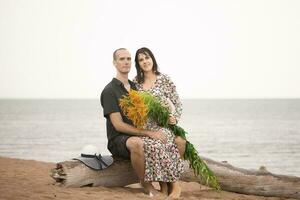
(134, 144)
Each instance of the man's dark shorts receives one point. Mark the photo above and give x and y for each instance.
(117, 146)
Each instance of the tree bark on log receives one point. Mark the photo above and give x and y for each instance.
(254, 182)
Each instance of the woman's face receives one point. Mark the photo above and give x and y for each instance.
(145, 62)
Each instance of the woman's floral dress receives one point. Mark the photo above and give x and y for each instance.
(162, 161)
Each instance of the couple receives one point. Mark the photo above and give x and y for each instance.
(155, 153)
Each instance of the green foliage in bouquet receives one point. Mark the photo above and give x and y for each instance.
(160, 114)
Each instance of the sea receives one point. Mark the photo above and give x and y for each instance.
(247, 133)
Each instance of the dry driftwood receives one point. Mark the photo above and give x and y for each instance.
(120, 173)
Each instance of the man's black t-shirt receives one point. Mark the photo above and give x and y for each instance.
(110, 102)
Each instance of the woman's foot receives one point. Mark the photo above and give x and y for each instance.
(149, 189)
(175, 190)
(164, 188)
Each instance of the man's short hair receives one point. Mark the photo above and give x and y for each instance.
(116, 51)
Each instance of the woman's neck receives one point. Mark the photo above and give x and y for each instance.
(148, 76)
(149, 80)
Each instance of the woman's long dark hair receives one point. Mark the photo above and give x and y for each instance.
(139, 71)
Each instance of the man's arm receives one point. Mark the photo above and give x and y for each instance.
(117, 121)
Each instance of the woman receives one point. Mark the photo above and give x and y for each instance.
(162, 161)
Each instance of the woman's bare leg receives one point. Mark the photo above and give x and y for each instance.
(149, 189)
(164, 188)
(175, 190)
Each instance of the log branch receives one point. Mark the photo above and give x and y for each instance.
(254, 182)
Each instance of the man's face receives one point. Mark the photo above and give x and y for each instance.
(123, 61)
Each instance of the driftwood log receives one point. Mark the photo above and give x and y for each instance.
(255, 182)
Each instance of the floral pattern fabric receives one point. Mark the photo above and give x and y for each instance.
(162, 161)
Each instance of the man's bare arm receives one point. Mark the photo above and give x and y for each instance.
(117, 121)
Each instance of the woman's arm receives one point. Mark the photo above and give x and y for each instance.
(172, 95)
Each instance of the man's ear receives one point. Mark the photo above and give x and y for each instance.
(114, 63)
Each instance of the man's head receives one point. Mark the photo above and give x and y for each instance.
(122, 60)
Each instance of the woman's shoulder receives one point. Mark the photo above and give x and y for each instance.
(164, 77)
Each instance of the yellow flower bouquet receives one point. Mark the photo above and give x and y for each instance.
(139, 106)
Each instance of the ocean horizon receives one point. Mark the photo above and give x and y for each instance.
(247, 133)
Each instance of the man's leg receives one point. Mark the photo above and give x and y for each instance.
(180, 142)
(136, 149)
(137, 157)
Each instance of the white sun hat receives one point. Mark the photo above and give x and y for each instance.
(91, 157)
(89, 150)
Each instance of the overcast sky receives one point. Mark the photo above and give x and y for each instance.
(210, 49)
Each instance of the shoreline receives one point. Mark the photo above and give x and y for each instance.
(30, 179)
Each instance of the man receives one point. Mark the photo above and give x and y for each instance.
(123, 137)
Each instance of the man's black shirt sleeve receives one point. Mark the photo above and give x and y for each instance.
(109, 102)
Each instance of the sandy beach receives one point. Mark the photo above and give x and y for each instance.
(30, 179)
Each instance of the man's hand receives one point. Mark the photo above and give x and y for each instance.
(157, 135)
(123, 127)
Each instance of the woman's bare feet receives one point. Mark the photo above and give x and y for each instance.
(149, 189)
(164, 188)
(175, 190)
